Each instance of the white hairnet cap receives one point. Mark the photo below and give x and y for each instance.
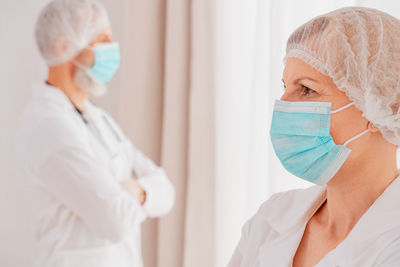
(65, 27)
(359, 48)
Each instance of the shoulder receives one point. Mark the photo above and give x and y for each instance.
(281, 206)
(264, 226)
(40, 133)
(48, 124)
(287, 200)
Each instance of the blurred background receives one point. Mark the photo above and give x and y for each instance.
(194, 92)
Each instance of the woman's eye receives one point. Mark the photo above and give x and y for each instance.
(306, 91)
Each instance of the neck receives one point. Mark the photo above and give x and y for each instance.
(356, 187)
(61, 77)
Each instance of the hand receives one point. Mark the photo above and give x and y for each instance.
(133, 188)
(141, 194)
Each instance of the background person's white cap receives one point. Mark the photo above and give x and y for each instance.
(65, 27)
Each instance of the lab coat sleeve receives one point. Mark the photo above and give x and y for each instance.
(80, 183)
(160, 193)
(66, 168)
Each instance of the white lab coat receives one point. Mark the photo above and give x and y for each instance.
(86, 218)
(272, 235)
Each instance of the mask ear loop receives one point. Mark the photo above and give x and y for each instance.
(80, 65)
(344, 107)
(355, 137)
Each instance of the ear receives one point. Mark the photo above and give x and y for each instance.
(372, 128)
(85, 57)
(60, 46)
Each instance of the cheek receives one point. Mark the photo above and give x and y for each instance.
(86, 57)
(339, 129)
(345, 125)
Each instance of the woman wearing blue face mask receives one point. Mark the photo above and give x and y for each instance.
(336, 125)
(97, 188)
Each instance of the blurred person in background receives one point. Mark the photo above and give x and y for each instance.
(98, 187)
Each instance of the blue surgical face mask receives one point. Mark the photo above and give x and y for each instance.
(300, 135)
(106, 62)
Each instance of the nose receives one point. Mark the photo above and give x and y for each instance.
(284, 97)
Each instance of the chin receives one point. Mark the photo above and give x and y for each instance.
(87, 83)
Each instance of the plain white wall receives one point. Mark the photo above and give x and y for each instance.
(20, 65)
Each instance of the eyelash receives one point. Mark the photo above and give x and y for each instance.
(305, 91)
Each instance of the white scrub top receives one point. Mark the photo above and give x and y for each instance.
(272, 235)
(86, 219)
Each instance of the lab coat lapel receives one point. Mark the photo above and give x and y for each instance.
(382, 216)
(52, 95)
(98, 127)
(294, 207)
(299, 206)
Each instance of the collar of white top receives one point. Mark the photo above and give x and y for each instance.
(57, 96)
(294, 208)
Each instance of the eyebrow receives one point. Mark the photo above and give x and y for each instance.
(302, 78)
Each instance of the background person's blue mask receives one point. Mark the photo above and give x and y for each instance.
(107, 59)
(302, 141)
